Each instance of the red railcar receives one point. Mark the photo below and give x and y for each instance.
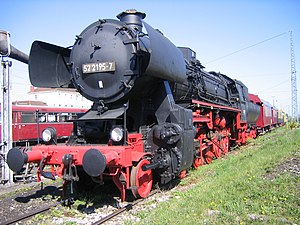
(268, 117)
(29, 121)
(274, 116)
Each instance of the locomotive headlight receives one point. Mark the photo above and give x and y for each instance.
(49, 135)
(117, 134)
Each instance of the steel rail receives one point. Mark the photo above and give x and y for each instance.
(28, 215)
(121, 210)
(102, 220)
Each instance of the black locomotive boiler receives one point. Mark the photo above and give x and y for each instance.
(156, 111)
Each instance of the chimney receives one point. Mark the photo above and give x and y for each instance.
(132, 18)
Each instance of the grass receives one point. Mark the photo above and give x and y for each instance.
(235, 190)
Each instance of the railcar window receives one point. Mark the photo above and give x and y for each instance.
(64, 117)
(52, 117)
(27, 117)
(42, 117)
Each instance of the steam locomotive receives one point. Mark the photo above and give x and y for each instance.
(156, 111)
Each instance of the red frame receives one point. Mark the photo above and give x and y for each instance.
(119, 159)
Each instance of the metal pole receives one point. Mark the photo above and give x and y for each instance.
(7, 50)
(6, 109)
(125, 125)
(2, 155)
(38, 125)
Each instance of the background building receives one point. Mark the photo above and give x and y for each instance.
(59, 97)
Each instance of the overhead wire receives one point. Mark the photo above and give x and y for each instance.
(263, 75)
(242, 49)
(277, 85)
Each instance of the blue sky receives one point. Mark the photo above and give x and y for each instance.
(213, 29)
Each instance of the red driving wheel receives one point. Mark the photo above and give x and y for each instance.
(182, 174)
(198, 161)
(217, 151)
(141, 181)
(208, 157)
(225, 145)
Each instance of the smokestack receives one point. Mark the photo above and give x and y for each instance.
(132, 18)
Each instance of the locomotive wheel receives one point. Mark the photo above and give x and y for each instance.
(225, 145)
(209, 157)
(182, 174)
(141, 181)
(217, 151)
(197, 162)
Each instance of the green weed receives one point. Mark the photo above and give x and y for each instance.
(234, 190)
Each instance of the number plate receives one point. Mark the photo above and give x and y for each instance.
(98, 67)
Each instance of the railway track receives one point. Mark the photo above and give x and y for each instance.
(29, 215)
(123, 209)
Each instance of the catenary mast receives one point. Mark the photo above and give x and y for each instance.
(293, 80)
